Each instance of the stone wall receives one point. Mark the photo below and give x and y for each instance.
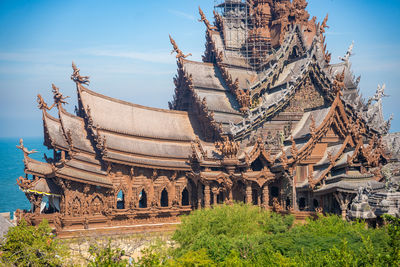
(132, 244)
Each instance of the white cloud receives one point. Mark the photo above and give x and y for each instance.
(154, 57)
(181, 14)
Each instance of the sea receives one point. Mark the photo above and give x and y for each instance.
(12, 167)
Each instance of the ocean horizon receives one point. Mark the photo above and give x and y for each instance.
(12, 167)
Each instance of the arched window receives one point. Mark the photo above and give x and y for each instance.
(164, 198)
(185, 197)
(120, 200)
(142, 199)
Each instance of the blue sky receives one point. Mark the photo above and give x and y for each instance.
(124, 47)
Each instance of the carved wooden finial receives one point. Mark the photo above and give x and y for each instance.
(179, 53)
(294, 149)
(205, 20)
(42, 104)
(338, 83)
(283, 158)
(76, 77)
(58, 97)
(24, 149)
(324, 24)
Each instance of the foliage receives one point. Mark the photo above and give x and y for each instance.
(155, 255)
(227, 228)
(393, 228)
(32, 246)
(107, 256)
(324, 234)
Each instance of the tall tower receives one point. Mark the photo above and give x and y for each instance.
(259, 37)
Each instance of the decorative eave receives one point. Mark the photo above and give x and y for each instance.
(257, 151)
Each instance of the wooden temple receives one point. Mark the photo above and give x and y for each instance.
(265, 119)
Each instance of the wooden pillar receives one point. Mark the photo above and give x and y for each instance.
(207, 196)
(249, 197)
(266, 196)
(199, 195)
(343, 199)
(294, 194)
(215, 195)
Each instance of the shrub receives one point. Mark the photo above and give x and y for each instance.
(32, 246)
(227, 228)
(107, 256)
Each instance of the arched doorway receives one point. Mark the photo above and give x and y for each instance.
(185, 197)
(142, 199)
(164, 198)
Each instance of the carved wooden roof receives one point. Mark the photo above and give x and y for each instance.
(131, 119)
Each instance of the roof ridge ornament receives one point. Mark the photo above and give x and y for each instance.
(58, 97)
(205, 20)
(338, 83)
(42, 104)
(379, 94)
(76, 77)
(179, 53)
(24, 149)
(349, 53)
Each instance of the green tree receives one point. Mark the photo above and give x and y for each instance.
(393, 229)
(225, 228)
(107, 256)
(26, 245)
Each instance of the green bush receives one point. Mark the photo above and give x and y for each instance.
(325, 233)
(107, 256)
(225, 228)
(32, 246)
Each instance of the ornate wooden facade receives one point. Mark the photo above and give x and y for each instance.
(289, 133)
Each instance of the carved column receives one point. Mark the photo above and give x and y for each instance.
(230, 196)
(343, 199)
(266, 196)
(249, 197)
(259, 197)
(207, 196)
(215, 195)
(199, 195)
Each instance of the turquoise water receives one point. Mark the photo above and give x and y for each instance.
(11, 167)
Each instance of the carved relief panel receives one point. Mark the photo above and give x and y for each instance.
(307, 97)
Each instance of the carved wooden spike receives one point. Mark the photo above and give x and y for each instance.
(179, 54)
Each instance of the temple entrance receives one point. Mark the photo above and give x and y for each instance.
(120, 200)
(302, 203)
(254, 195)
(142, 199)
(185, 197)
(239, 192)
(164, 198)
(275, 191)
(220, 198)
